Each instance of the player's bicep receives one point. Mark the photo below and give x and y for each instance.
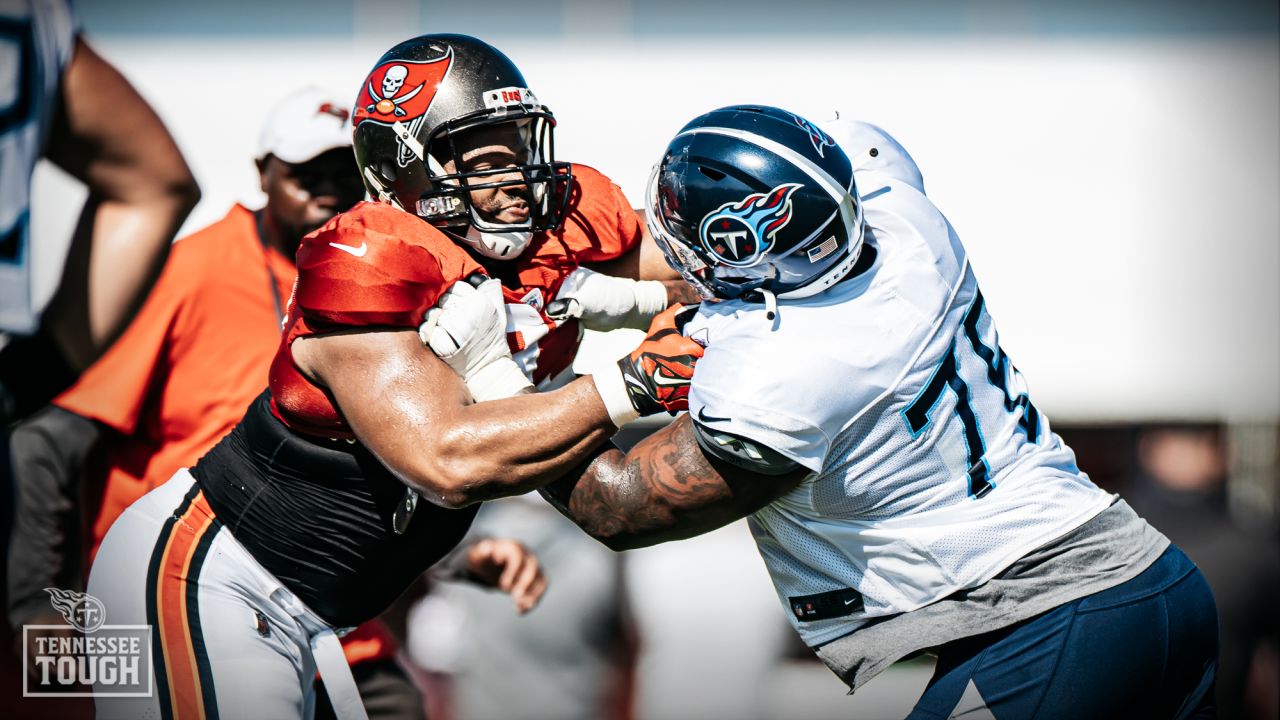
(390, 389)
(666, 488)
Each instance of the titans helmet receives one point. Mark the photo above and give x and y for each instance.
(748, 198)
(414, 113)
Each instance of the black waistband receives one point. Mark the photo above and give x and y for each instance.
(318, 514)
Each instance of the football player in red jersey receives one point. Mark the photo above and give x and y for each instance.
(307, 518)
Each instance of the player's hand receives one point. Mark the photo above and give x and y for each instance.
(508, 566)
(467, 329)
(656, 375)
(604, 302)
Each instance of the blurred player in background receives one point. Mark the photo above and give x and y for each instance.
(1180, 486)
(571, 660)
(70, 106)
(854, 403)
(308, 517)
(63, 102)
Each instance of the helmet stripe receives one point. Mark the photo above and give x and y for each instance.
(827, 182)
(849, 208)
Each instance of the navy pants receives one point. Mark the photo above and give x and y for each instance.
(1146, 648)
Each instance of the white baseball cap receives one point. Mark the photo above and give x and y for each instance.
(304, 125)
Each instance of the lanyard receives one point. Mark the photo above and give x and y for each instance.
(259, 218)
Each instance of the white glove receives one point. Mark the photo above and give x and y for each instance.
(603, 302)
(467, 329)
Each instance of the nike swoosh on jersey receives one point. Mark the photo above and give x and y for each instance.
(704, 417)
(357, 251)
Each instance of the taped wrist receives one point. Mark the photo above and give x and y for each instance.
(501, 378)
(651, 299)
(613, 391)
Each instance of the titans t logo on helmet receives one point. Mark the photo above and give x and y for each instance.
(738, 234)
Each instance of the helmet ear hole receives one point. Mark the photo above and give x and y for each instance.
(712, 173)
(387, 171)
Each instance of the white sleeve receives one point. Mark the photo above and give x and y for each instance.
(775, 428)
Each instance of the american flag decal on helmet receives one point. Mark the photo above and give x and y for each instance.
(827, 247)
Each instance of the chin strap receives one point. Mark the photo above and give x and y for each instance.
(770, 304)
(503, 245)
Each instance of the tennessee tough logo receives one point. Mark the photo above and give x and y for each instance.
(401, 90)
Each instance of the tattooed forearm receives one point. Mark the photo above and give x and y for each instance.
(664, 489)
(679, 291)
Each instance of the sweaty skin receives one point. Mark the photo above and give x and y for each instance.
(415, 414)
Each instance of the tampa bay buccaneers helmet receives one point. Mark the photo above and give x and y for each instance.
(749, 198)
(419, 99)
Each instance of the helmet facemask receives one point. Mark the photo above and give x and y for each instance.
(489, 164)
(683, 258)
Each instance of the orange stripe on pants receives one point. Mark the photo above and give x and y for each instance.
(172, 613)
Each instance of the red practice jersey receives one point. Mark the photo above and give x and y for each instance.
(377, 266)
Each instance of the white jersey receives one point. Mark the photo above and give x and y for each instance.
(36, 41)
(932, 471)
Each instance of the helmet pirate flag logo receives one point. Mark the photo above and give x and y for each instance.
(401, 90)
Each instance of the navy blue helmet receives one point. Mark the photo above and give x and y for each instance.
(748, 198)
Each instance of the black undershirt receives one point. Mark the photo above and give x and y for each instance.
(317, 514)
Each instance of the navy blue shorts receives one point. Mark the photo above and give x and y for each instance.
(1147, 648)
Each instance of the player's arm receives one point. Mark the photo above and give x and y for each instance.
(416, 415)
(623, 292)
(140, 191)
(682, 481)
(646, 262)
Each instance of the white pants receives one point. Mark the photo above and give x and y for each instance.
(228, 640)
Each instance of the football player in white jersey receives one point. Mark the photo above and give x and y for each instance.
(854, 404)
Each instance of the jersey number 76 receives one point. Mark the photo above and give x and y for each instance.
(918, 415)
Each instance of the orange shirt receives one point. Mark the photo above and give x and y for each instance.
(184, 371)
